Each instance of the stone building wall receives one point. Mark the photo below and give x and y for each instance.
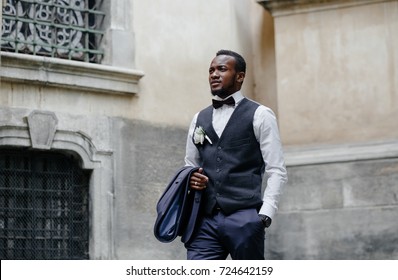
(327, 68)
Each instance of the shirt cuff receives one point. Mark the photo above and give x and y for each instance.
(267, 210)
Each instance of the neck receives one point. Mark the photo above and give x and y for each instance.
(224, 96)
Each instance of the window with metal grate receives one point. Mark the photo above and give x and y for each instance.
(43, 206)
(68, 29)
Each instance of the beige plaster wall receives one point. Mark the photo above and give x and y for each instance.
(337, 74)
(176, 41)
(264, 62)
(331, 75)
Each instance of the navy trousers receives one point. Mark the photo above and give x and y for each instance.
(240, 234)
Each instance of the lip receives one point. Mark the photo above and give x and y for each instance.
(215, 82)
(215, 85)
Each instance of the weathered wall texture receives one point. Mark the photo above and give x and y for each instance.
(175, 50)
(338, 211)
(337, 74)
(330, 74)
(146, 157)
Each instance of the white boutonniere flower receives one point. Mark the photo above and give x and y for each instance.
(199, 136)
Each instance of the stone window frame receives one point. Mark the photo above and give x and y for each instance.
(38, 129)
(115, 75)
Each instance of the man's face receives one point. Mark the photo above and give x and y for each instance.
(223, 78)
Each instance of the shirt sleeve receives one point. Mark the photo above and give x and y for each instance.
(267, 134)
(192, 157)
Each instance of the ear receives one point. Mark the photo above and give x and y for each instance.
(240, 77)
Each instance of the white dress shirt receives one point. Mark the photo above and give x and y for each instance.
(267, 134)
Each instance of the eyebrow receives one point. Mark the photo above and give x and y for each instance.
(219, 65)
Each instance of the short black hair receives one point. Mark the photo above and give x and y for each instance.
(240, 63)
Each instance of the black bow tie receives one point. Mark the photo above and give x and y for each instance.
(218, 103)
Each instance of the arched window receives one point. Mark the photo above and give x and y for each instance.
(43, 206)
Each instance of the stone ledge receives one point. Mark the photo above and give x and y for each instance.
(296, 156)
(290, 7)
(24, 68)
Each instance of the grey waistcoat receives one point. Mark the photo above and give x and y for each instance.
(233, 162)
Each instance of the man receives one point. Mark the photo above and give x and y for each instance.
(234, 144)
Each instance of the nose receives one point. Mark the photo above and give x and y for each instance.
(214, 74)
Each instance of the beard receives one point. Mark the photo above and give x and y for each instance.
(227, 89)
(222, 93)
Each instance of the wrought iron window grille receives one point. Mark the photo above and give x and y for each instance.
(68, 29)
(43, 206)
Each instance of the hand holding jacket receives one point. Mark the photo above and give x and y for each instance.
(198, 180)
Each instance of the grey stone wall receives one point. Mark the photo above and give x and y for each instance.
(338, 210)
(146, 157)
(346, 210)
